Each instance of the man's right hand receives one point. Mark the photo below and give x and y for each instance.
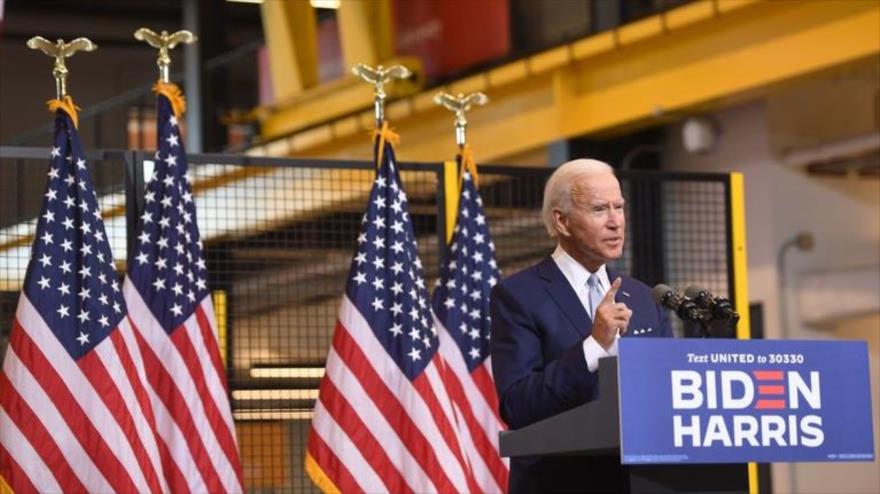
(611, 318)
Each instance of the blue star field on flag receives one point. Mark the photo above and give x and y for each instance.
(386, 280)
(467, 275)
(71, 279)
(167, 266)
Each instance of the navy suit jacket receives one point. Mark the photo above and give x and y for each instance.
(538, 329)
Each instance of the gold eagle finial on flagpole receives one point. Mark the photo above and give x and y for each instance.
(460, 104)
(378, 77)
(60, 51)
(164, 42)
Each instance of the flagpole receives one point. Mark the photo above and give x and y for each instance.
(460, 104)
(378, 77)
(61, 51)
(164, 42)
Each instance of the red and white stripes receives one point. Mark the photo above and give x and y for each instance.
(374, 430)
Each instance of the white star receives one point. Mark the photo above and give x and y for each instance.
(172, 139)
(84, 294)
(100, 256)
(45, 260)
(68, 223)
(81, 164)
(475, 314)
(162, 242)
(426, 342)
(86, 249)
(116, 307)
(200, 284)
(396, 308)
(397, 226)
(86, 228)
(176, 309)
(397, 267)
(377, 304)
(159, 284)
(142, 258)
(378, 262)
(99, 235)
(103, 299)
(104, 321)
(378, 283)
(164, 222)
(85, 271)
(191, 296)
(396, 206)
(415, 354)
(83, 338)
(166, 202)
(69, 180)
(397, 288)
(397, 247)
(474, 353)
(380, 182)
(51, 194)
(161, 263)
(147, 217)
(63, 311)
(144, 237)
(49, 216)
(480, 219)
(475, 333)
(44, 282)
(414, 334)
(64, 289)
(396, 329)
(362, 238)
(379, 242)
(97, 213)
(449, 303)
(379, 202)
(177, 289)
(173, 120)
(171, 160)
(84, 205)
(83, 316)
(360, 278)
(360, 258)
(149, 197)
(168, 181)
(56, 153)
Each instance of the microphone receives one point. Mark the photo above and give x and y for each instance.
(719, 307)
(683, 306)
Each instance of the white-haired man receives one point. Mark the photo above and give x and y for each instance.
(552, 322)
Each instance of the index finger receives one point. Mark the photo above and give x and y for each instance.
(612, 292)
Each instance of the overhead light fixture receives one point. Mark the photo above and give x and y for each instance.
(245, 1)
(326, 4)
(287, 372)
(247, 414)
(275, 394)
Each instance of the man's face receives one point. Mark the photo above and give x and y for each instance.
(592, 231)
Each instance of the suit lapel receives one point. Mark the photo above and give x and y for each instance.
(565, 297)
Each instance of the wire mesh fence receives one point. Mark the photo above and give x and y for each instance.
(279, 237)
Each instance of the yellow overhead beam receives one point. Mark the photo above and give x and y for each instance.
(365, 32)
(291, 39)
(702, 54)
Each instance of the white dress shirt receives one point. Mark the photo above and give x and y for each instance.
(577, 276)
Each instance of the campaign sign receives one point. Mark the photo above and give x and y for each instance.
(736, 401)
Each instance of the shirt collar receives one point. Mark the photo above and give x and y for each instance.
(576, 273)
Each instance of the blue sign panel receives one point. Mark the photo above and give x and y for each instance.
(735, 401)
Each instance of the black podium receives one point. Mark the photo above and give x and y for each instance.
(593, 429)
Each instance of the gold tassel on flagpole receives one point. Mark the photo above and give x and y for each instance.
(384, 135)
(67, 105)
(174, 95)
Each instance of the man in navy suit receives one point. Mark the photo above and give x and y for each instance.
(552, 322)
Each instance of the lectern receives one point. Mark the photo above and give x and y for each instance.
(593, 429)
(685, 415)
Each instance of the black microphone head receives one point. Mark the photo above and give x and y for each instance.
(661, 291)
(696, 292)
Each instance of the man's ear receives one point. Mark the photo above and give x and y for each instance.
(561, 223)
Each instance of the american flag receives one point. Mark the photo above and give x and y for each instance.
(383, 421)
(75, 413)
(461, 305)
(170, 306)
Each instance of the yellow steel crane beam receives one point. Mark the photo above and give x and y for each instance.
(702, 54)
